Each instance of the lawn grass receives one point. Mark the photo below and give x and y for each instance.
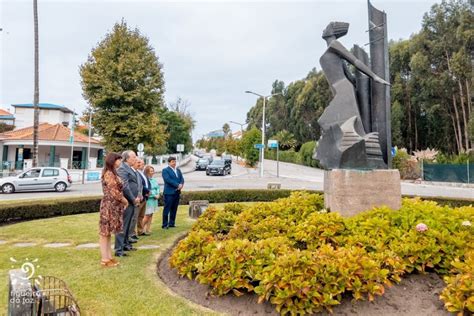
(131, 289)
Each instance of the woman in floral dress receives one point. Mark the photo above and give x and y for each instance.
(112, 207)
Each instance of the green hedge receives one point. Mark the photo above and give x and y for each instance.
(28, 210)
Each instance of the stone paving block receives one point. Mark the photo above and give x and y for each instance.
(57, 245)
(24, 244)
(88, 246)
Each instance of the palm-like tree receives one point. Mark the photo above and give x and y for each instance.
(36, 91)
(286, 140)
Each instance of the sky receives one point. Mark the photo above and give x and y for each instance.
(211, 51)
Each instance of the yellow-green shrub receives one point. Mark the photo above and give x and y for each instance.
(459, 292)
(302, 259)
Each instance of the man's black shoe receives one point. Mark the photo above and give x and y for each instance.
(134, 237)
(130, 249)
(132, 241)
(120, 254)
(172, 226)
(164, 227)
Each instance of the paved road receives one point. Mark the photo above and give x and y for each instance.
(291, 177)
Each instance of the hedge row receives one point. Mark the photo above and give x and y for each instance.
(28, 210)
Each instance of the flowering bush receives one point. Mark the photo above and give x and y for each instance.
(421, 227)
(302, 259)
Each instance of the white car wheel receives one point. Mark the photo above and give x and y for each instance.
(60, 187)
(8, 188)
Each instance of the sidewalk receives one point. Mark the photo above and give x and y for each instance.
(423, 189)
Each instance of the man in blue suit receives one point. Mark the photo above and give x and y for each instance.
(174, 182)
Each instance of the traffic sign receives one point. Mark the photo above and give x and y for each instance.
(180, 148)
(259, 146)
(272, 143)
(394, 151)
(140, 147)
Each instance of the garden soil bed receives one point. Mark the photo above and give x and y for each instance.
(416, 295)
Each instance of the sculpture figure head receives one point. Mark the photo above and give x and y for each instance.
(336, 30)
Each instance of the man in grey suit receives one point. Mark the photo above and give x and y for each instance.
(131, 193)
(133, 235)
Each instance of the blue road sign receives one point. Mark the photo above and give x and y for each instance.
(259, 146)
(394, 151)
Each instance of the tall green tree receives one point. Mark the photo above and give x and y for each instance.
(123, 82)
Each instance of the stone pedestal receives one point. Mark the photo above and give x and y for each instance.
(196, 208)
(350, 192)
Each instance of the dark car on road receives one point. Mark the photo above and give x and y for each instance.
(219, 167)
(202, 164)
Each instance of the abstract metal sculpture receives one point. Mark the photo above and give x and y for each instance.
(354, 120)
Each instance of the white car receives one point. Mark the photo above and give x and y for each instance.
(46, 178)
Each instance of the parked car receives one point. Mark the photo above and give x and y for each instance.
(47, 178)
(219, 167)
(202, 164)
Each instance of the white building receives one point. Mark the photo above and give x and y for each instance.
(55, 145)
(6, 117)
(49, 113)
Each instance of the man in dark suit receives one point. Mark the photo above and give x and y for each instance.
(131, 192)
(174, 182)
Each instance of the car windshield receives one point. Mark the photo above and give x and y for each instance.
(218, 163)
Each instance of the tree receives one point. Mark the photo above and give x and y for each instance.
(249, 139)
(123, 82)
(36, 88)
(182, 107)
(178, 130)
(285, 139)
(6, 127)
(397, 119)
(297, 110)
(226, 130)
(471, 129)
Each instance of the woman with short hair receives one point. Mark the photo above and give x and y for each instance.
(112, 207)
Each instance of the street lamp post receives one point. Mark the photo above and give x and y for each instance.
(262, 150)
(90, 134)
(241, 126)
